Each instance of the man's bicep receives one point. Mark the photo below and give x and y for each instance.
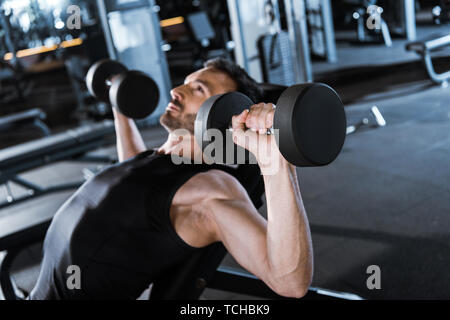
(242, 230)
(232, 219)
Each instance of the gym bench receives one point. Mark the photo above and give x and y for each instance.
(70, 145)
(186, 280)
(424, 49)
(34, 117)
(189, 279)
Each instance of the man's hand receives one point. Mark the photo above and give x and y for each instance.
(250, 132)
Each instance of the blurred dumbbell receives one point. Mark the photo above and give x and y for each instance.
(133, 93)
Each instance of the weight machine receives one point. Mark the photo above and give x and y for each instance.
(133, 37)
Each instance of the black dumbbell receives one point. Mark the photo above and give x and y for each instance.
(133, 93)
(310, 119)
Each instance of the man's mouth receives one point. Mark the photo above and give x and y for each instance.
(173, 107)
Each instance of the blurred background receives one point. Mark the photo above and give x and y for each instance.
(384, 202)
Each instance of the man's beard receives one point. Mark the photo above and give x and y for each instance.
(182, 121)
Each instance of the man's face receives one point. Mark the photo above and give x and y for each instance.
(188, 98)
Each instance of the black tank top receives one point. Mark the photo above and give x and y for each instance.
(116, 228)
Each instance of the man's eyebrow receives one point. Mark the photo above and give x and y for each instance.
(187, 80)
(204, 82)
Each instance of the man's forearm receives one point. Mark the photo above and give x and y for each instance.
(289, 245)
(129, 140)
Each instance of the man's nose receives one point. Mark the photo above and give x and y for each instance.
(177, 94)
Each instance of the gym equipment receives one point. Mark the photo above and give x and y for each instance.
(424, 49)
(133, 93)
(321, 30)
(185, 281)
(275, 55)
(377, 116)
(32, 117)
(371, 27)
(441, 12)
(310, 118)
(201, 27)
(202, 270)
(274, 48)
(69, 145)
(245, 32)
(401, 18)
(137, 17)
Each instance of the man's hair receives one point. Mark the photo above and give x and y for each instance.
(245, 84)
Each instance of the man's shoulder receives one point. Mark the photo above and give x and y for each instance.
(219, 181)
(211, 184)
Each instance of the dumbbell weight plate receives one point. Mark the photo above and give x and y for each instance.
(216, 113)
(312, 124)
(135, 94)
(98, 74)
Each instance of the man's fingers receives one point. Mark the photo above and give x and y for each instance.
(238, 121)
(269, 118)
(252, 121)
(246, 139)
(260, 117)
(242, 136)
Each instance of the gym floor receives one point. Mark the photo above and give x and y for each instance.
(385, 201)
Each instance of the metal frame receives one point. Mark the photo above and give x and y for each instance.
(424, 49)
(402, 18)
(277, 21)
(224, 278)
(103, 13)
(328, 29)
(162, 58)
(439, 78)
(322, 9)
(240, 50)
(239, 281)
(153, 9)
(34, 190)
(298, 34)
(7, 284)
(243, 53)
(409, 19)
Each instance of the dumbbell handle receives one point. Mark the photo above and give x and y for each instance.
(109, 81)
(100, 77)
(270, 131)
